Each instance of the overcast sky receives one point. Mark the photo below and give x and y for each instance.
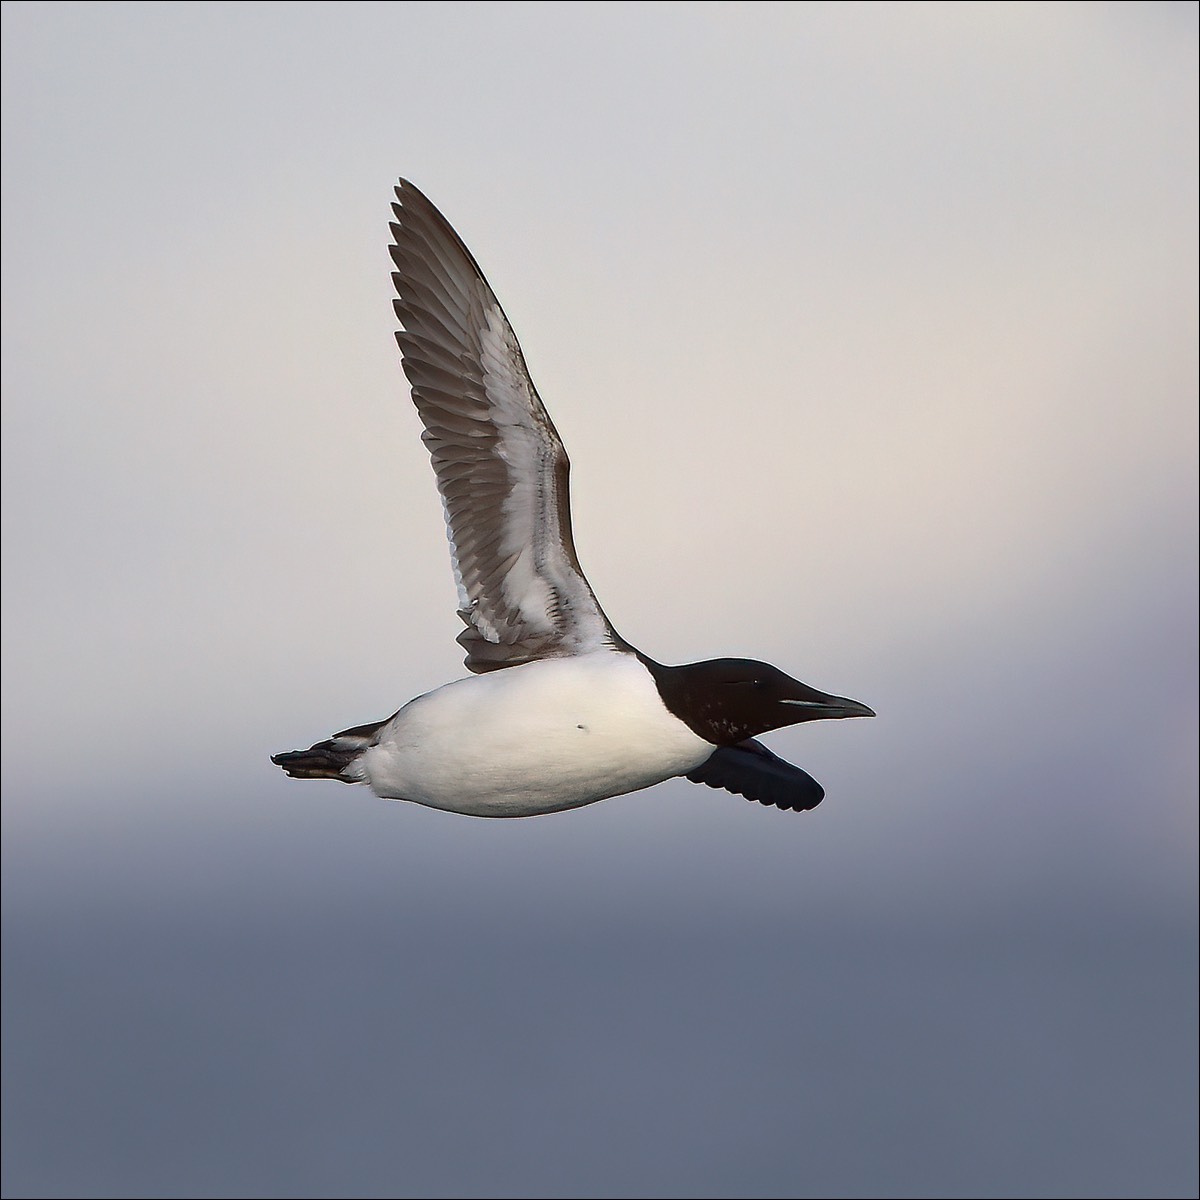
(871, 332)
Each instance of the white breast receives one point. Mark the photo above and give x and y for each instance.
(549, 735)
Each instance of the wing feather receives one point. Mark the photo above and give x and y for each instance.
(501, 468)
(749, 769)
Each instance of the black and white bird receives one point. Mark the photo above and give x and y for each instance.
(561, 711)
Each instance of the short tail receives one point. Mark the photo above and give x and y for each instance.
(336, 758)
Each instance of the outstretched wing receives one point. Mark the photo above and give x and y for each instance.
(500, 464)
(749, 769)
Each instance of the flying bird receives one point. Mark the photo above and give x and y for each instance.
(560, 710)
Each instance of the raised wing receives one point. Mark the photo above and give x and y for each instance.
(500, 464)
(749, 769)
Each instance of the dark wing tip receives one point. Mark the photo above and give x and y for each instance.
(749, 769)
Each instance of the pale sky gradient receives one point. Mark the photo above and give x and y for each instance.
(871, 332)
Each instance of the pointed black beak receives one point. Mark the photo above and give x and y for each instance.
(817, 706)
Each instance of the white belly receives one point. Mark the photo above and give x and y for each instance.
(549, 735)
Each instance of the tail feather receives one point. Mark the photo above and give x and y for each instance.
(325, 760)
(334, 758)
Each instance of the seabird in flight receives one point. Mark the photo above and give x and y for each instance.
(560, 710)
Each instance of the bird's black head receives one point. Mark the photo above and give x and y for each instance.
(727, 700)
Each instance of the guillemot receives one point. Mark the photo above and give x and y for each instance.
(560, 710)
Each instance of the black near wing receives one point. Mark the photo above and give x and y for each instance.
(749, 769)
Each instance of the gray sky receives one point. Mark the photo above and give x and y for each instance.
(871, 333)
